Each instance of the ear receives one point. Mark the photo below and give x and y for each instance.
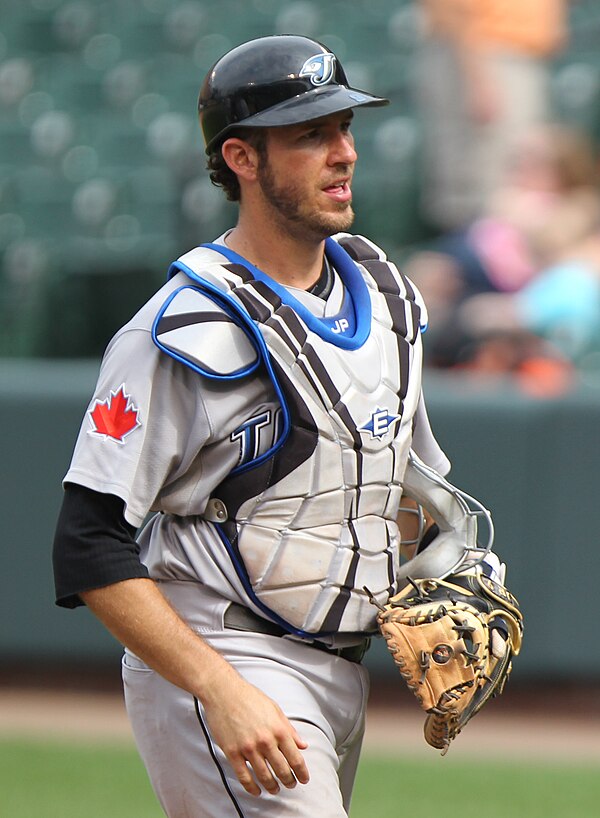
(241, 158)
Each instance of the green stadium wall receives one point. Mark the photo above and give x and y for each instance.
(532, 461)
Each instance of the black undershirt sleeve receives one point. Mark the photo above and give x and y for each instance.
(94, 545)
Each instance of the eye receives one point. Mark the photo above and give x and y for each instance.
(313, 133)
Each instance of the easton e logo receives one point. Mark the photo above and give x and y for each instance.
(319, 68)
(379, 424)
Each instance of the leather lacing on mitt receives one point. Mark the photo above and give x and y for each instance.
(453, 640)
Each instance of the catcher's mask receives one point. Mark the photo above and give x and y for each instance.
(458, 545)
(279, 80)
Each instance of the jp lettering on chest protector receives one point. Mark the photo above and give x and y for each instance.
(240, 490)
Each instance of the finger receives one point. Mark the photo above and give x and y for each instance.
(294, 758)
(244, 776)
(263, 773)
(281, 769)
(300, 742)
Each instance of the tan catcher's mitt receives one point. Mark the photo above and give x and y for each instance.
(453, 640)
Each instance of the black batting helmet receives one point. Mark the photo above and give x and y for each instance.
(279, 80)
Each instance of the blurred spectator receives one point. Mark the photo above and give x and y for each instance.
(560, 306)
(483, 70)
(529, 267)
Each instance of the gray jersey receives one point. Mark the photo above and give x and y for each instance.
(173, 419)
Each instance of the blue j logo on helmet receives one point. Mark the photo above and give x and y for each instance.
(320, 68)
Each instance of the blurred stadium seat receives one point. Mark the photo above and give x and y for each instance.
(101, 161)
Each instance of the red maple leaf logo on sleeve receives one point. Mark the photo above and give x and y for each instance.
(114, 417)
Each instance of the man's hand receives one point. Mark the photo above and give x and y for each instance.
(260, 743)
(250, 728)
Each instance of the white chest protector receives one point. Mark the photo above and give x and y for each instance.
(311, 520)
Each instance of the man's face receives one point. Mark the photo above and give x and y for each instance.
(306, 174)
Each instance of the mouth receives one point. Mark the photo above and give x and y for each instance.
(339, 191)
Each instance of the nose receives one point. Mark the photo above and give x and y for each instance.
(342, 150)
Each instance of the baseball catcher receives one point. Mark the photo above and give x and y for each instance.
(453, 627)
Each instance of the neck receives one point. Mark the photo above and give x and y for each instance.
(289, 260)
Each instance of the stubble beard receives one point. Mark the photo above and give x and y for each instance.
(295, 216)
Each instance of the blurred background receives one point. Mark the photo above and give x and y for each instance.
(480, 180)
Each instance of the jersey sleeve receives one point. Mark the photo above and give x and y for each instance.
(424, 443)
(145, 424)
(94, 545)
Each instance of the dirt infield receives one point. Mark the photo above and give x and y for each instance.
(561, 724)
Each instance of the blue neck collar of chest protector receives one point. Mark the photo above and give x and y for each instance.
(350, 328)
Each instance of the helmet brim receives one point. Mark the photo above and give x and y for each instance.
(304, 108)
